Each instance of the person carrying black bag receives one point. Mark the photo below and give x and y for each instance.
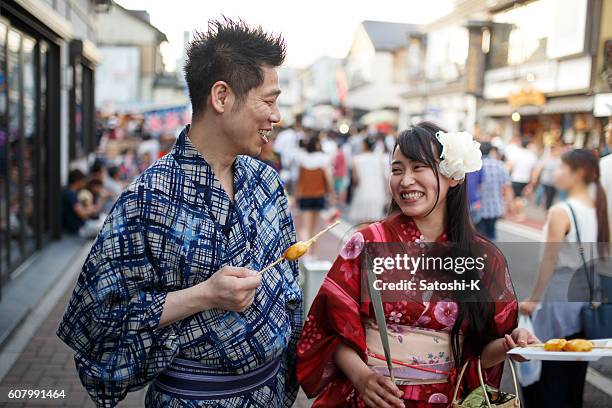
(561, 383)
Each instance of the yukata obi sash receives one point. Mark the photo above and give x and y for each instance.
(419, 356)
(190, 380)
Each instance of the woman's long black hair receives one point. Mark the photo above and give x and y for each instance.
(419, 143)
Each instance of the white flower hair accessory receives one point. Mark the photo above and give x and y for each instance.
(460, 154)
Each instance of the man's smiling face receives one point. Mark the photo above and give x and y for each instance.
(247, 123)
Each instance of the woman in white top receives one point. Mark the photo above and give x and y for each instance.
(369, 185)
(561, 383)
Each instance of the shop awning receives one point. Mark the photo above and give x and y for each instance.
(569, 104)
(504, 109)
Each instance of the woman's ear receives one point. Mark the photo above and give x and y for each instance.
(582, 174)
(454, 183)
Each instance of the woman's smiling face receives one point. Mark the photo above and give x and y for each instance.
(414, 185)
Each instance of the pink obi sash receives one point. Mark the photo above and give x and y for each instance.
(419, 356)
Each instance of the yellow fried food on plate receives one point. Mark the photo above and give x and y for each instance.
(578, 345)
(555, 344)
(295, 251)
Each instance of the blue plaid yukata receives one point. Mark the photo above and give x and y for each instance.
(172, 228)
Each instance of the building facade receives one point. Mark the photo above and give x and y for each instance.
(541, 76)
(447, 65)
(132, 76)
(47, 71)
(538, 69)
(377, 69)
(603, 66)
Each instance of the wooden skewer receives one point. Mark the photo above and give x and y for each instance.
(308, 243)
(314, 239)
(272, 265)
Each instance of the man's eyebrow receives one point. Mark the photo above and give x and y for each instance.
(274, 92)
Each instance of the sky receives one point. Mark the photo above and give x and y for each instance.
(312, 28)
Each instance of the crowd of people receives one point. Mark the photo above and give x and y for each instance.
(87, 199)
(329, 173)
(125, 150)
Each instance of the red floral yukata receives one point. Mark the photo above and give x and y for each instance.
(337, 313)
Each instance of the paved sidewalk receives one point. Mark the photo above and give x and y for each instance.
(46, 363)
(534, 216)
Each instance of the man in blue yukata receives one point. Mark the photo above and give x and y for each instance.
(169, 295)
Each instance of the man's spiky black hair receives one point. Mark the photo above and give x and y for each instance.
(233, 52)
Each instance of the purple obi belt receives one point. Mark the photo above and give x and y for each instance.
(186, 379)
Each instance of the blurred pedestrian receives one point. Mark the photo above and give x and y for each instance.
(355, 143)
(74, 214)
(544, 174)
(514, 146)
(148, 146)
(113, 183)
(369, 185)
(287, 141)
(561, 383)
(287, 144)
(100, 197)
(129, 163)
(358, 134)
(390, 141)
(474, 188)
(145, 160)
(314, 187)
(522, 162)
(97, 171)
(495, 183)
(605, 169)
(328, 143)
(166, 143)
(340, 174)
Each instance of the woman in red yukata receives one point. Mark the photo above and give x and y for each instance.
(431, 336)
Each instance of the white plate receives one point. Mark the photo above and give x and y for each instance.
(538, 353)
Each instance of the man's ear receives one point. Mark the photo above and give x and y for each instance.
(219, 96)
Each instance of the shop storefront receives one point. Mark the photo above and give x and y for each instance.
(81, 103)
(46, 122)
(29, 136)
(557, 119)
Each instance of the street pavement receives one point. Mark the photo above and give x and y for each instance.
(46, 363)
